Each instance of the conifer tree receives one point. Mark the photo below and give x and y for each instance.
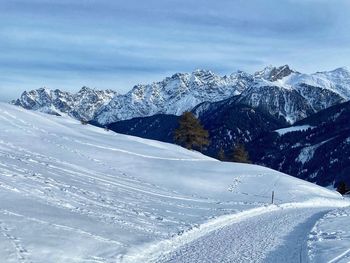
(190, 132)
(342, 188)
(221, 155)
(240, 154)
(84, 122)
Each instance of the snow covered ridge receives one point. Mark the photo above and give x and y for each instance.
(81, 105)
(77, 193)
(280, 90)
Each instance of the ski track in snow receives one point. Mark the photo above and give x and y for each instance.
(21, 253)
(343, 256)
(265, 234)
(30, 126)
(273, 237)
(329, 239)
(102, 147)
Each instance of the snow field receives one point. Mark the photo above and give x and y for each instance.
(329, 240)
(76, 193)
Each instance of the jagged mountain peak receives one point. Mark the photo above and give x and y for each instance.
(280, 90)
(85, 89)
(203, 73)
(173, 95)
(81, 105)
(43, 91)
(272, 73)
(196, 75)
(341, 70)
(177, 75)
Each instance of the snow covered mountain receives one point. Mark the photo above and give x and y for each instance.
(316, 149)
(81, 105)
(173, 95)
(281, 91)
(293, 95)
(77, 193)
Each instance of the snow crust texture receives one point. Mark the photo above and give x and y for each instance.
(329, 240)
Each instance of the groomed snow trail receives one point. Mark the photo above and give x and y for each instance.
(277, 236)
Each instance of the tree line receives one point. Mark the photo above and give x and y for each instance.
(192, 135)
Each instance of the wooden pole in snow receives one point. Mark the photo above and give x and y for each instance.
(272, 197)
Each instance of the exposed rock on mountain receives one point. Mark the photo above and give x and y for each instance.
(281, 91)
(173, 95)
(81, 105)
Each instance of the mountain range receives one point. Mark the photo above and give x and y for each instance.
(281, 91)
(264, 110)
(81, 105)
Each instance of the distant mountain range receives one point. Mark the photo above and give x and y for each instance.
(281, 91)
(241, 107)
(81, 105)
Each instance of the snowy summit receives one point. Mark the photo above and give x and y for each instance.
(280, 90)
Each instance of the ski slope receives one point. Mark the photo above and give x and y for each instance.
(76, 193)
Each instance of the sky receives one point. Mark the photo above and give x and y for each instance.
(116, 44)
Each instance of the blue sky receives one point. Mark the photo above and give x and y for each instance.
(115, 44)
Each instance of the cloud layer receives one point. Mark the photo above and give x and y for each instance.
(115, 44)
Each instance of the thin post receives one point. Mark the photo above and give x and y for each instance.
(272, 197)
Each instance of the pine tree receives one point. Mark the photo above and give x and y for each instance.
(240, 155)
(221, 155)
(190, 132)
(342, 188)
(84, 122)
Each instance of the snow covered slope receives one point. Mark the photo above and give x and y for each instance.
(76, 193)
(329, 241)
